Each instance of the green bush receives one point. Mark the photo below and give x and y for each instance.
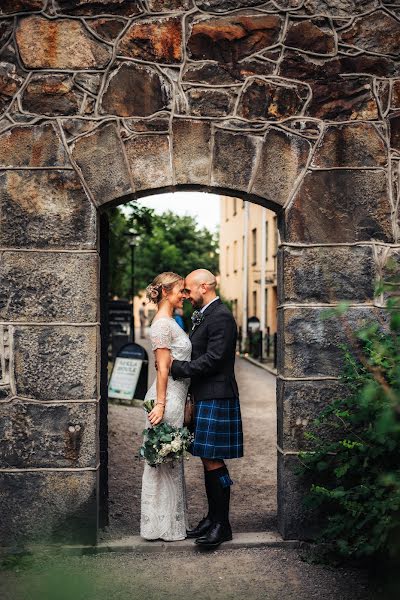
(354, 465)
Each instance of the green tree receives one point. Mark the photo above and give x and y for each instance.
(177, 244)
(166, 242)
(133, 217)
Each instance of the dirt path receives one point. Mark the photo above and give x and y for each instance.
(256, 574)
(254, 476)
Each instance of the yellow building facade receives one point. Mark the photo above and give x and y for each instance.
(248, 250)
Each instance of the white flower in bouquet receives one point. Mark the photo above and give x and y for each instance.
(165, 449)
(176, 445)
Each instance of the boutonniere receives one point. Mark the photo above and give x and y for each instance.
(197, 318)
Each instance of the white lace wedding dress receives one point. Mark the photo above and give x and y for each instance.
(163, 504)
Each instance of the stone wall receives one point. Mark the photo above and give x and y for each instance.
(294, 104)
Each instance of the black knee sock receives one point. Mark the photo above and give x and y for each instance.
(220, 483)
(207, 482)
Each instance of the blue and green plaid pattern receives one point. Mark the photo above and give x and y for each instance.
(217, 429)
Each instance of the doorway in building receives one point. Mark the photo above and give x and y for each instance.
(240, 246)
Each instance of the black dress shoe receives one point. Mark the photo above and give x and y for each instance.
(201, 528)
(217, 534)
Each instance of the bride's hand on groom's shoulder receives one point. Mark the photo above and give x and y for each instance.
(156, 414)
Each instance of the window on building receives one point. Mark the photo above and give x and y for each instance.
(235, 308)
(254, 302)
(254, 245)
(266, 240)
(227, 261)
(235, 256)
(234, 206)
(243, 203)
(266, 307)
(276, 241)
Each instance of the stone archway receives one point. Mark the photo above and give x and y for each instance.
(104, 100)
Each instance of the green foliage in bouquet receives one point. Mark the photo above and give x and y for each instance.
(164, 443)
(356, 475)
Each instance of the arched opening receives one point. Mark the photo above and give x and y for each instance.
(254, 503)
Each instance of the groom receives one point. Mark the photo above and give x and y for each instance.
(217, 420)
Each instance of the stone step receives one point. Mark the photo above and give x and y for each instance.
(137, 544)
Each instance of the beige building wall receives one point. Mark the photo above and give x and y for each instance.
(232, 272)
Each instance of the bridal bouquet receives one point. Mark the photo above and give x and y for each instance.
(164, 443)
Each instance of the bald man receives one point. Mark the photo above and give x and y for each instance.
(217, 421)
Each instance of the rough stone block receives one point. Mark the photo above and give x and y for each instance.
(230, 38)
(155, 39)
(226, 5)
(168, 5)
(8, 7)
(210, 103)
(394, 125)
(100, 156)
(211, 73)
(59, 44)
(10, 83)
(191, 151)
(32, 146)
(135, 90)
(150, 161)
(124, 8)
(311, 35)
(52, 95)
(350, 145)
(298, 404)
(341, 206)
(48, 507)
(310, 342)
(377, 32)
(107, 28)
(45, 209)
(309, 68)
(283, 157)
(395, 95)
(343, 99)
(5, 392)
(271, 100)
(42, 436)
(234, 157)
(346, 8)
(56, 362)
(36, 286)
(295, 521)
(326, 274)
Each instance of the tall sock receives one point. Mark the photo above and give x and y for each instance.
(207, 482)
(220, 490)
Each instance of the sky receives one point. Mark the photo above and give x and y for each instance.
(204, 207)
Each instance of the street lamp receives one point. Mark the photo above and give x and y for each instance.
(131, 234)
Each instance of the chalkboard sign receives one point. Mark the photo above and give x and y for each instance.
(130, 373)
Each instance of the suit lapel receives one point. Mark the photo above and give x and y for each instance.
(207, 312)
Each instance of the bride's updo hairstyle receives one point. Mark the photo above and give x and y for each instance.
(164, 281)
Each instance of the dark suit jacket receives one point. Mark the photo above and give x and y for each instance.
(211, 369)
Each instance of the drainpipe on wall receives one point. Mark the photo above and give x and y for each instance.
(262, 277)
(245, 273)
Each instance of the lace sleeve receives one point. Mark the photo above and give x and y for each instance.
(161, 334)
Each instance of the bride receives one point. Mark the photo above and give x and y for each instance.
(163, 503)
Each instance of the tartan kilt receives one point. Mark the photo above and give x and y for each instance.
(217, 429)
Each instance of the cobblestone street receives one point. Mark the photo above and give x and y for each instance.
(253, 506)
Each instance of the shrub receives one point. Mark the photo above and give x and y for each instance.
(355, 466)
